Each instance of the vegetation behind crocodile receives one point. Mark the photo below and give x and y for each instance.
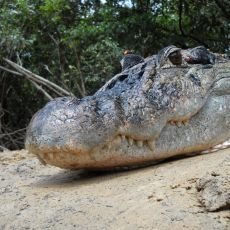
(142, 115)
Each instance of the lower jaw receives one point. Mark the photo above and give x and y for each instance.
(116, 156)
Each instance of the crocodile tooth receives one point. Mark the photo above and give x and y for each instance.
(62, 155)
(178, 123)
(185, 122)
(123, 137)
(51, 156)
(140, 143)
(151, 145)
(130, 140)
(172, 122)
(118, 139)
(41, 160)
(109, 146)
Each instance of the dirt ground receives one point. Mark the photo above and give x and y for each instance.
(187, 193)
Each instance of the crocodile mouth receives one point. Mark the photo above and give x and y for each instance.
(70, 153)
(107, 155)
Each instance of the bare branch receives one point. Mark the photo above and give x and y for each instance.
(83, 90)
(33, 81)
(15, 138)
(10, 71)
(58, 51)
(12, 133)
(36, 77)
(41, 89)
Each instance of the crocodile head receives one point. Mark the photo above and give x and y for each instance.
(142, 115)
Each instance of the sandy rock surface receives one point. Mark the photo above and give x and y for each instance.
(188, 193)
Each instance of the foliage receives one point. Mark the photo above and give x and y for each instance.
(78, 44)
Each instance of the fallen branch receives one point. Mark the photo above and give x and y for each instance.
(10, 71)
(12, 133)
(38, 79)
(12, 139)
(33, 82)
(42, 90)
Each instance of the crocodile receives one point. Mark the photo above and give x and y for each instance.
(141, 116)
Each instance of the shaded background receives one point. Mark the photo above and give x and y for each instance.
(78, 45)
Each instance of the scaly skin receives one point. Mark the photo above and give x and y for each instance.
(131, 120)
